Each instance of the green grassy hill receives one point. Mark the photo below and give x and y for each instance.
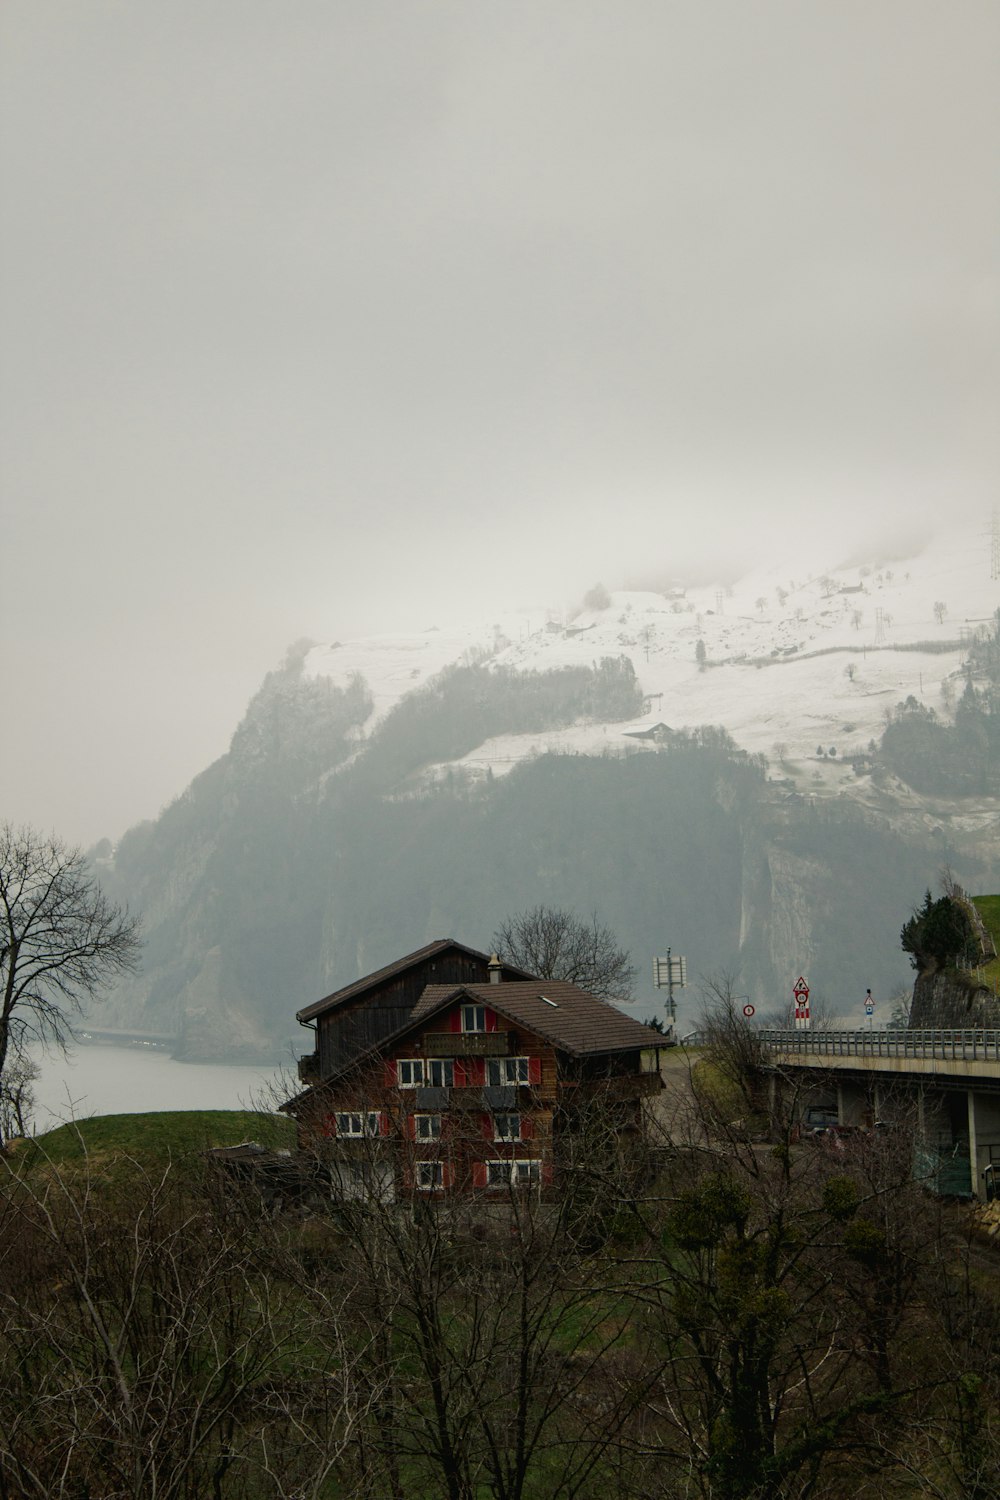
(155, 1139)
(988, 908)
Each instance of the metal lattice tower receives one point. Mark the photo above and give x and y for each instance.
(879, 627)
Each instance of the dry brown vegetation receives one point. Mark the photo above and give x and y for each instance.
(719, 1316)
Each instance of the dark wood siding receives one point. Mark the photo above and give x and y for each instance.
(365, 1019)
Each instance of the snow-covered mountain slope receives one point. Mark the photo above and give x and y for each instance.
(789, 663)
(312, 851)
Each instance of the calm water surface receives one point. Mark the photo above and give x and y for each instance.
(101, 1080)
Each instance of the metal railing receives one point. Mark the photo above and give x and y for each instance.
(950, 1046)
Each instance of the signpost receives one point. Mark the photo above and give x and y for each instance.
(869, 1007)
(748, 1011)
(670, 974)
(801, 993)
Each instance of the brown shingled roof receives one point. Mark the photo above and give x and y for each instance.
(570, 1018)
(358, 986)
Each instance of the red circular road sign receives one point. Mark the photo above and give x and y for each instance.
(748, 1010)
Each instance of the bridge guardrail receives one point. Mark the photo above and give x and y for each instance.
(948, 1045)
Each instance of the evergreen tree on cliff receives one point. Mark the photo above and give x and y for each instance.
(937, 934)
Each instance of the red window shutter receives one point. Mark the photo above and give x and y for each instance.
(491, 1019)
(527, 1127)
(383, 1122)
(478, 1071)
(479, 1174)
(486, 1122)
(330, 1125)
(447, 1174)
(390, 1074)
(546, 1173)
(455, 1019)
(534, 1071)
(461, 1074)
(411, 1127)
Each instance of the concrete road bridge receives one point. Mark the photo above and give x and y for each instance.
(846, 1077)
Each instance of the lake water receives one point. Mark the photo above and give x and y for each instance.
(104, 1080)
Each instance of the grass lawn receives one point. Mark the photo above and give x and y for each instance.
(154, 1139)
(988, 908)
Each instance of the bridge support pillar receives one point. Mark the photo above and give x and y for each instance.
(973, 1149)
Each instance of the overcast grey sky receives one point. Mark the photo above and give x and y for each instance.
(322, 316)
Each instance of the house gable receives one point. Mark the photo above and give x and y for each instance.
(564, 1015)
(357, 1017)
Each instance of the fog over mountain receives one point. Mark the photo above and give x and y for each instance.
(765, 776)
(603, 401)
(330, 320)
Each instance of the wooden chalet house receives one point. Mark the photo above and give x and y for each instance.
(450, 1071)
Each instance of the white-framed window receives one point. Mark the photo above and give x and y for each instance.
(440, 1072)
(430, 1175)
(513, 1173)
(473, 1017)
(506, 1070)
(427, 1127)
(410, 1072)
(357, 1122)
(506, 1127)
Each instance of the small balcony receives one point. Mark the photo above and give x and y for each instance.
(467, 1044)
(500, 1096)
(626, 1086)
(492, 1097)
(308, 1068)
(466, 1098)
(426, 1096)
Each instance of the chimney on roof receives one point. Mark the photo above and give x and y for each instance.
(494, 966)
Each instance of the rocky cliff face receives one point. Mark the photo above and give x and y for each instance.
(309, 854)
(783, 895)
(944, 999)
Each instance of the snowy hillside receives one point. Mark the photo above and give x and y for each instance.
(789, 663)
(309, 854)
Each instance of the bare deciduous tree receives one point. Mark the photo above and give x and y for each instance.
(493, 1325)
(791, 1293)
(555, 944)
(61, 939)
(157, 1340)
(17, 1095)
